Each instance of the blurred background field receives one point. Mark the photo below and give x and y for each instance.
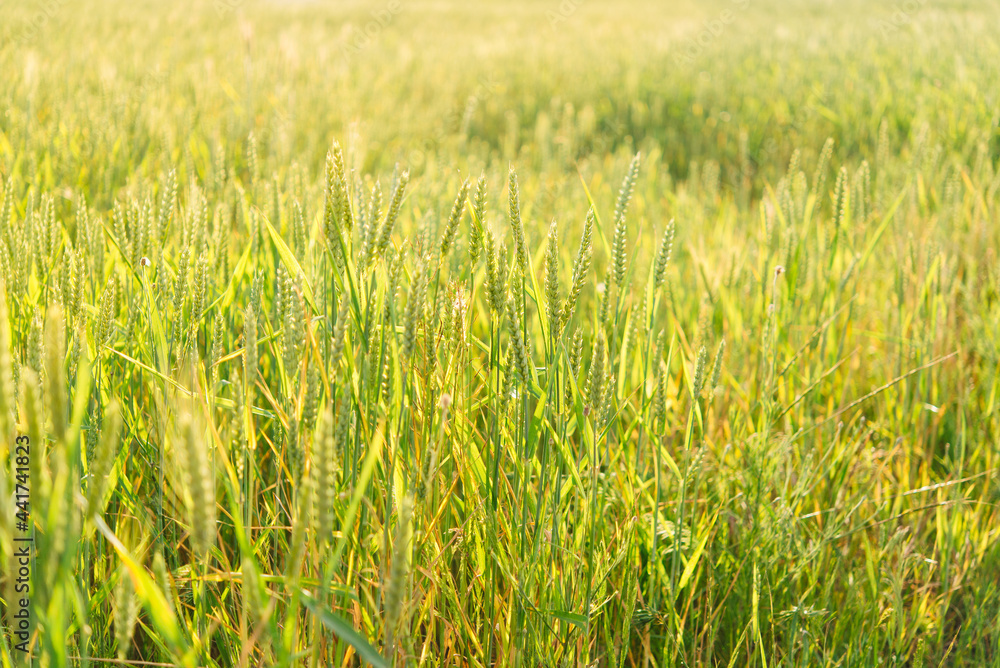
(832, 170)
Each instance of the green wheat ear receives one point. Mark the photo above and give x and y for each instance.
(822, 165)
(553, 304)
(396, 585)
(607, 402)
(414, 311)
(594, 386)
(522, 359)
(392, 213)
(494, 274)
(324, 472)
(304, 504)
(200, 289)
(514, 210)
(294, 334)
(104, 458)
(340, 332)
(581, 266)
(181, 282)
(370, 231)
(717, 366)
(126, 611)
(36, 345)
(919, 658)
(660, 396)
(699, 372)
(193, 451)
(451, 227)
(618, 250)
(575, 359)
(218, 328)
(663, 256)
(478, 220)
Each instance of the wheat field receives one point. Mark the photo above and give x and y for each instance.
(553, 333)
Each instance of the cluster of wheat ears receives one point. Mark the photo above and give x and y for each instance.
(297, 447)
(259, 412)
(293, 412)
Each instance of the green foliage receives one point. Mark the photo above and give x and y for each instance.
(283, 418)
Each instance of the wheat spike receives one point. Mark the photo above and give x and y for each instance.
(581, 266)
(553, 304)
(514, 209)
(451, 228)
(618, 250)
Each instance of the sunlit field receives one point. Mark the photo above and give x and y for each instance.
(560, 333)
